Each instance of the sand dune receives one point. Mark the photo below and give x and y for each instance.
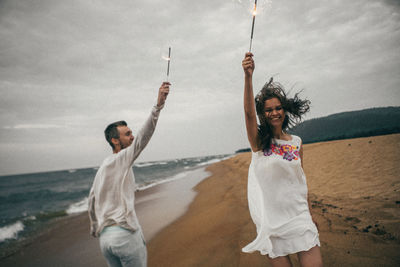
(354, 189)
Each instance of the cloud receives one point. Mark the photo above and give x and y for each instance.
(67, 69)
(34, 126)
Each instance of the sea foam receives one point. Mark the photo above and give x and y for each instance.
(11, 231)
(213, 161)
(182, 174)
(147, 164)
(166, 180)
(78, 207)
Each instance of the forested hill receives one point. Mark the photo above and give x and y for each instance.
(362, 123)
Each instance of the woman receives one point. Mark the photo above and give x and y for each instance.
(277, 189)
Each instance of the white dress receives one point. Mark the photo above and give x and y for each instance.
(277, 196)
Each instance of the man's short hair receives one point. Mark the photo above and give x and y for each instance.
(112, 132)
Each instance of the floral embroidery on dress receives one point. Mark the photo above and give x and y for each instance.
(288, 152)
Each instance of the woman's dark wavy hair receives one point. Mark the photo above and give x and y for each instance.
(294, 109)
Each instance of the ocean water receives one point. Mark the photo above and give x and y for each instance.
(28, 202)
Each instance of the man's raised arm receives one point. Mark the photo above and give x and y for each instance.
(146, 132)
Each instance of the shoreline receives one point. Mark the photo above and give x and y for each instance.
(24, 215)
(162, 204)
(358, 215)
(156, 207)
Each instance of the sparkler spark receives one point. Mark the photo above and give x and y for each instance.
(257, 9)
(252, 25)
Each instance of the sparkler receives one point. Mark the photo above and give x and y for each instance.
(169, 60)
(252, 25)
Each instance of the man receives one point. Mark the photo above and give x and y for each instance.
(112, 196)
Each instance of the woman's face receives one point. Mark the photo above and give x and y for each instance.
(274, 112)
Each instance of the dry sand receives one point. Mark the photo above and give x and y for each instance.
(354, 189)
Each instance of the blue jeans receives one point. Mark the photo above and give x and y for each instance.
(122, 247)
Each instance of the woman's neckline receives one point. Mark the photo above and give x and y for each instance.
(291, 138)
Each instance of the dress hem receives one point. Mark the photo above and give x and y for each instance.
(273, 256)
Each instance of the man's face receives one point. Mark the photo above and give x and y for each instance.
(125, 136)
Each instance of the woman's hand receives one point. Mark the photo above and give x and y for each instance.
(248, 64)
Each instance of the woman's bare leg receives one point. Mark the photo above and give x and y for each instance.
(283, 261)
(310, 258)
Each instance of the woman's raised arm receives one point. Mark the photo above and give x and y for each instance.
(249, 105)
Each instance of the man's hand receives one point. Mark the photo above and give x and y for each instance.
(163, 93)
(248, 64)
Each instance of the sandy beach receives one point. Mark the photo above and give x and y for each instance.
(354, 190)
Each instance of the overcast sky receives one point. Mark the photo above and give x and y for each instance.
(68, 68)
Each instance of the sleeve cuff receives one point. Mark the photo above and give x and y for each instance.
(158, 108)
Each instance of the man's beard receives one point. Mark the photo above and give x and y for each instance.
(123, 146)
